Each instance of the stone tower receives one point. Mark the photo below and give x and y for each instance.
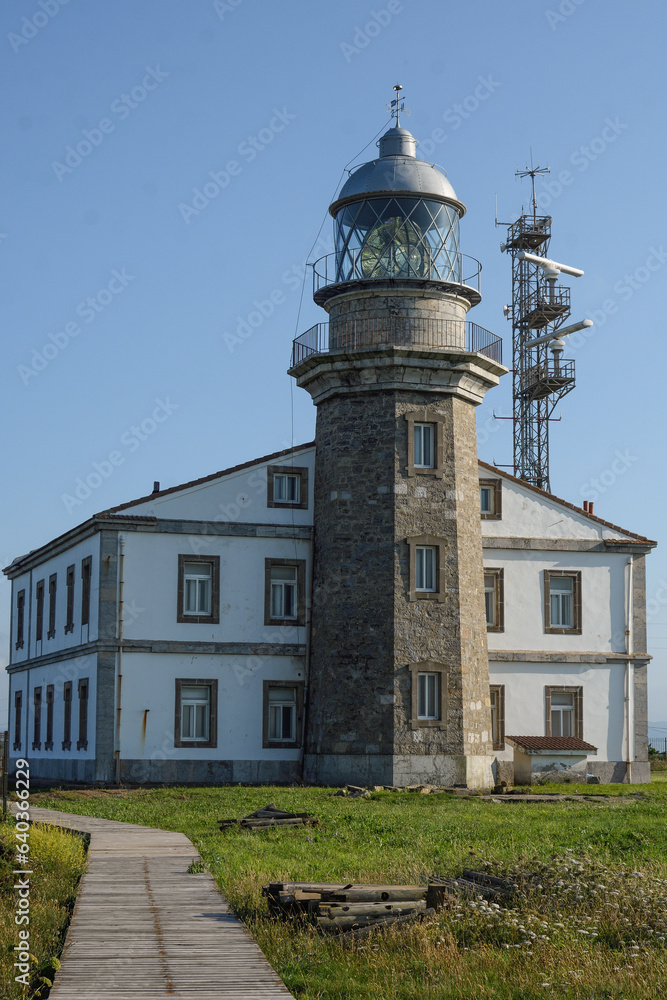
(398, 687)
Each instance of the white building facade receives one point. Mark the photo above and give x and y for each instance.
(167, 640)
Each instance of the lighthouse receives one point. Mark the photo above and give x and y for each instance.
(398, 678)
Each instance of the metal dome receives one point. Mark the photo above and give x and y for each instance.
(397, 171)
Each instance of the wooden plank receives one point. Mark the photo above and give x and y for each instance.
(143, 928)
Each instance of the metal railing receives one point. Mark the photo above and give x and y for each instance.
(550, 373)
(423, 264)
(396, 331)
(659, 743)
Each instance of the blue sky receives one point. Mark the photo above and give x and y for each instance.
(128, 296)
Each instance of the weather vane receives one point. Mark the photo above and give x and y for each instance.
(398, 104)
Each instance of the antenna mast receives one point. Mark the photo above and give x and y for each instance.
(540, 307)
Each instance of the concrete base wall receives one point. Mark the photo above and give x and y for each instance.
(211, 772)
(53, 771)
(399, 770)
(611, 771)
(169, 772)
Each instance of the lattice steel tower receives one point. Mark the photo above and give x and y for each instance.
(540, 306)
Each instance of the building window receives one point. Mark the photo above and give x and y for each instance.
(53, 580)
(67, 715)
(564, 711)
(86, 574)
(562, 602)
(195, 716)
(426, 568)
(37, 719)
(69, 624)
(48, 745)
(18, 707)
(490, 499)
(284, 591)
(494, 600)
(287, 486)
(20, 618)
(498, 716)
(283, 714)
(428, 701)
(425, 442)
(429, 690)
(427, 571)
(82, 742)
(39, 616)
(199, 589)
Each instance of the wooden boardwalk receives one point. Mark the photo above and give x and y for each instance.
(145, 929)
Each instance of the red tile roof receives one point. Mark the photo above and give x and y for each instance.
(572, 506)
(539, 744)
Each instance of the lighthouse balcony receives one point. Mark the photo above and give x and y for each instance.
(368, 266)
(396, 331)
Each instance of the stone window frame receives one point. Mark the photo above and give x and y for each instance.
(69, 578)
(499, 574)
(440, 544)
(300, 566)
(268, 744)
(428, 667)
(37, 717)
(576, 602)
(287, 470)
(67, 716)
(578, 691)
(425, 416)
(497, 486)
(18, 710)
(20, 619)
(499, 689)
(212, 684)
(48, 744)
(214, 617)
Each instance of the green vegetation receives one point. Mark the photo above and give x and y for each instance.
(587, 923)
(57, 861)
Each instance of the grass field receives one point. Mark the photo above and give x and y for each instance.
(57, 861)
(589, 920)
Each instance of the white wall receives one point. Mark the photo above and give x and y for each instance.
(151, 587)
(526, 514)
(149, 682)
(57, 674)
(603, 701)
(239, 496)
(57, 564)
(603, 589)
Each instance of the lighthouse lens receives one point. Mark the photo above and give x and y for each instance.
(397, 237)
(393, 249)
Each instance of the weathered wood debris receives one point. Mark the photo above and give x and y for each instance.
(269, 816)
(345, 908)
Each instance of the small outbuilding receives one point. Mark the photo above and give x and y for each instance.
(535, 756)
